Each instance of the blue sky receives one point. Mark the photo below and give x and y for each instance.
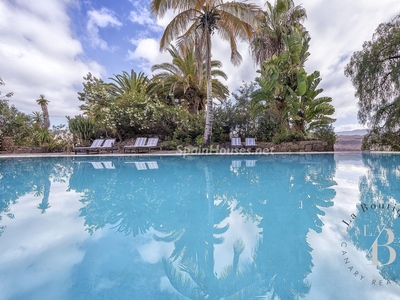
(47, 46)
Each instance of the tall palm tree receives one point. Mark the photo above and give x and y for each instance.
(43, 102)
(180, 79)
(277, 21)
(196, 21)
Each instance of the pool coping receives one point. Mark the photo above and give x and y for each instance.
(177, 153)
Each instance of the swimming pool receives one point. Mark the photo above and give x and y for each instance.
(308, 226)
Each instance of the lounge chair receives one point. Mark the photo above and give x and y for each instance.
(95, 145)
(250, 143)
(236, 142)
(139, 143)
(108, 145)
(151, 143)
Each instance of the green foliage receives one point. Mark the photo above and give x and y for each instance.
(128, 83)
(379, 140)
(374, 72)
(237, 117)
(283, 136)
(289, 94)
(42, 137)
(277, 21)
(283, 78)
(183, 81)
(267, 125)
(96, 100)
(14, 123)
(83, 129)
(187, 131)
(325, 133)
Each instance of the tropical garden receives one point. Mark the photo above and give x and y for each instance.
(185, 101)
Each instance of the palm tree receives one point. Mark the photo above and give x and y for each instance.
(37, 119)
(282, 77)
(180, 79)
(277, 21)
(194, 24)
(43, 104)
(128, 83)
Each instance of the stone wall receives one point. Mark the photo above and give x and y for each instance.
(23, 149)
(301, 146)
(7, 144)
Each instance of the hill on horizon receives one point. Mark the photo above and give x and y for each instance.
(353, 132)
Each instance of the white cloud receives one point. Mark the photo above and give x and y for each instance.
(40, 56)
(338, 28)
(142, 16)
(101, 18)
(147, 54)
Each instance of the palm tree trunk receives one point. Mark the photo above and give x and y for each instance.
(209, 113)
(46, 117)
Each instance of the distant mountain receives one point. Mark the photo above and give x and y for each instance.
(353, 132)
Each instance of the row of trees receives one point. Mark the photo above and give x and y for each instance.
(34, 129)
(282, 105)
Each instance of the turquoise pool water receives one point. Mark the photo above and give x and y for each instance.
(293, 226)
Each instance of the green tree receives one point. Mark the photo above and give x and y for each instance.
(236, 117)
(276, 22)
(180, 79)
(43, 102)
(96, 100)
(374, 72)
(287, 90)
(309, 111)
(127, 83)
(195, 23)
(3, 105)
(281, 76)
(37, 119)
(83, 128)
(14, 123)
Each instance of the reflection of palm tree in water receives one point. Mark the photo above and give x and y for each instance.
(190, 268)
(288, 198)
(182, 211)
(44, 190)
(42, 184)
